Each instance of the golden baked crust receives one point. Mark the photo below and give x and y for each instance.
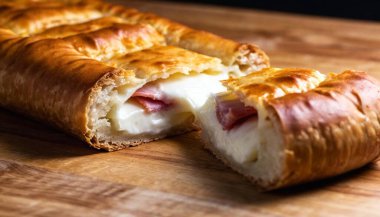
(272, 83)
(57, 59)
(331, 129)
(116, 40)
(326, 125)
(247, 57)
(92, 25)
(28, 21)
(161, 61)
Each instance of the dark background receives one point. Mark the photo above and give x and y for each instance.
(359, 9)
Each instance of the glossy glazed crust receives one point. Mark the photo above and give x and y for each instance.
(29, 21)
(329, 130)
(247, 57)
(69, 30)
(115, 41)
(161, 61)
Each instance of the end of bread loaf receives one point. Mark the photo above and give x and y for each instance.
(308, 126)
(331, 129)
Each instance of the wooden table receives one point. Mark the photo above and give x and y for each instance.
(44, 172)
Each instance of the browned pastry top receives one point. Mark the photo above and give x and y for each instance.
(349, 94)
(272, 83)
(63, 18)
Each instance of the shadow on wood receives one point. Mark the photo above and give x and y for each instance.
(20, 134)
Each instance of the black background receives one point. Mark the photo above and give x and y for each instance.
(360, 9)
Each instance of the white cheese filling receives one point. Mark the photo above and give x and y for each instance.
(189, 92)
(241, 143)
(254, 148)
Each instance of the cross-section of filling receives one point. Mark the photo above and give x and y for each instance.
(166, 87)
(231, 112)
(232, 123)
(164, 104)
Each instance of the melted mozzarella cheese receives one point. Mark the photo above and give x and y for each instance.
(189, 92)
(240, 143)
(135, 121)
(192, 91)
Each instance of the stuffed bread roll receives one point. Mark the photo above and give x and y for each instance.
(280, 127)
(98, 72)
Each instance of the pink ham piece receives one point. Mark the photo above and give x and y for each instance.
(151, 105)
(151, 98)
(231, 112)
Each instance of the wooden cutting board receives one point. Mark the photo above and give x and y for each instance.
(44, 172)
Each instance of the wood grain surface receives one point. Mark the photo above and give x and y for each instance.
(44, 172)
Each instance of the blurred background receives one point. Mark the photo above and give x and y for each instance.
(353, 9)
